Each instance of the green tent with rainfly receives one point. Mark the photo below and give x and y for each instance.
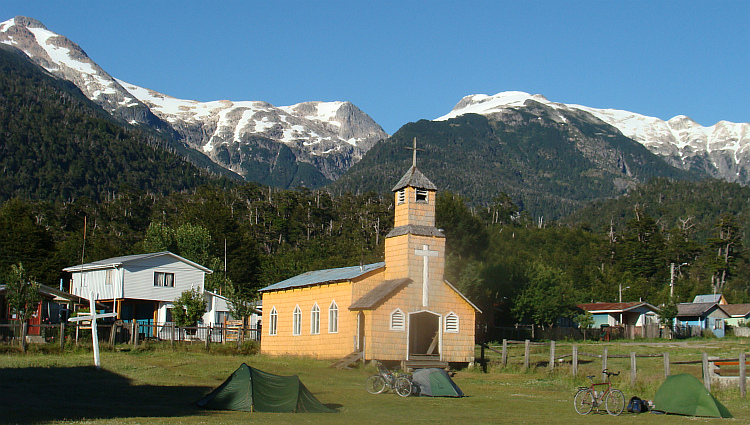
(252, 390)
(684, 394)
(435, 382)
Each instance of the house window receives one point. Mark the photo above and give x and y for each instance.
(401, 197)
(421, 195)
(164, 279)
(109, 277)
(333, 318)
(719, 324)
(451, 323)
(274, 321)
(397, 320)
(297, 321)
(315, 320)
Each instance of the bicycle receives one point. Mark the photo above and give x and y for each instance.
(588, 398)
(387, 380)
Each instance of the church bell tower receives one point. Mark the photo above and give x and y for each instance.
(415, 248)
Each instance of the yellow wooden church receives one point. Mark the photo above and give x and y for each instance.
(398, 310)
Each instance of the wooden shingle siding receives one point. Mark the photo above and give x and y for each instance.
(323, 344)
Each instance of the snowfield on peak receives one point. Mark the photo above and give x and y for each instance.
(724, 146)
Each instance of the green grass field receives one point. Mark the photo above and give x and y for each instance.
(160, 386)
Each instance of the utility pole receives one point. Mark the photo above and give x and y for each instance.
(671, 280)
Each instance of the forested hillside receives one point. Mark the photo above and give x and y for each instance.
(519, 270)
(56, 144)
(549, 162)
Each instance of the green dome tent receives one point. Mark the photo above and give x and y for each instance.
(252, 390)
(435, 382)
(684, 394)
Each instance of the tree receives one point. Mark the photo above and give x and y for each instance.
(240, 305)
(189, 308)
(23, 297)
(585, 320)
(466, 235)
(668, 314)
(727, 243)
(547, 296)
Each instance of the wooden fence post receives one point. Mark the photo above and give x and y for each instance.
(666, 365)
(743, 383)
(208, 337)
(505, 353)
(526, 354)
(706, 372)
(552, 355)
(136, 331)
(171, 334)
(632, 368)
(62, 335)
(575, 360)
(482, 360)
(604, 363)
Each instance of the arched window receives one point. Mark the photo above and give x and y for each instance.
(451, 322)
(333, 318)
(398, 322)
(274, 321)
(297, 321)
(315, 320)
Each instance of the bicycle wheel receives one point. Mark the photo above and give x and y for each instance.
(584, 401)
(403, 386)
(375, 384)
(615, 402)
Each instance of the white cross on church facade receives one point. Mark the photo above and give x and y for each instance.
(425, 253)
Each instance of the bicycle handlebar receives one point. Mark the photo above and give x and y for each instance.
(608, 373)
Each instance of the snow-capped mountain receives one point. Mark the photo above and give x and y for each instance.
(721, 150)
(331, 136)
(311, 129)
(67, 60)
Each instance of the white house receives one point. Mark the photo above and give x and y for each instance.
(144, 286)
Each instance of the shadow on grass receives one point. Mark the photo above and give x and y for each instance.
(36, 395)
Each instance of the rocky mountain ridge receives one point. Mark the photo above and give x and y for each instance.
(325, 138)
(720, 151)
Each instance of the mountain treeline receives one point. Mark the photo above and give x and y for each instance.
(551, 163)
(522, 270)
(250, 236)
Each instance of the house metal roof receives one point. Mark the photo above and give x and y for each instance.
(115, 262)
(55, 294)
(711, 298)
(318, 277)
(615, 307)
(414, 178)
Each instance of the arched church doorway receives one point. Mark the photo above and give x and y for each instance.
(424, 334)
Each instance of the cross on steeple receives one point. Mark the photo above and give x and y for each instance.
(414, 153)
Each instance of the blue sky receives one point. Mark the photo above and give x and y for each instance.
(404, 61)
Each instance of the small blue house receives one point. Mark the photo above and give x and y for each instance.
(708, 315)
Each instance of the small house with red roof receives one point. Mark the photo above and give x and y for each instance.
(615, 314)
